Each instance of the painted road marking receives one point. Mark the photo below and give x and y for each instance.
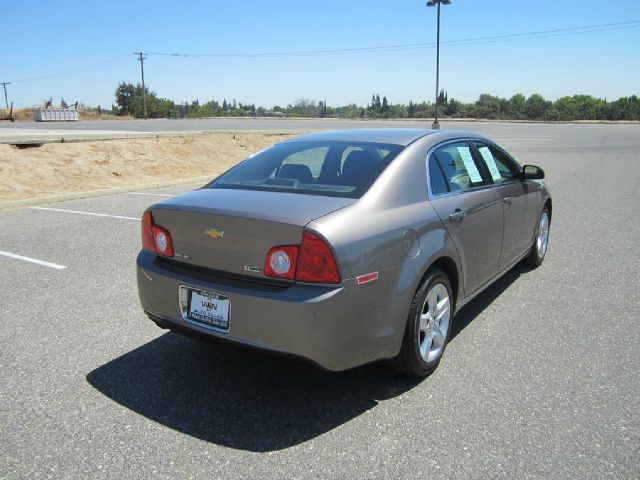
(85, 213)
(33, 260)
(153, 194)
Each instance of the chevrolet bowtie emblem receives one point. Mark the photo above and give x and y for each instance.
(214, 233)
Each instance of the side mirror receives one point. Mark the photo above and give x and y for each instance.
(531, 172)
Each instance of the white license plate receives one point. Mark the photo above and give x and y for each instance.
(209, 308)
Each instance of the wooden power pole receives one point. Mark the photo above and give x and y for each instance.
(4, 85)
(141, 57)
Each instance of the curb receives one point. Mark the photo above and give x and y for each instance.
(28, 202)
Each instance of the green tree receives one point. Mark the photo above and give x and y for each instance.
(518, 102)
(156, 107)
(442, 98)
(536, 107)
(130, 101)
(124, 95)
(488, 106)
(452, 108)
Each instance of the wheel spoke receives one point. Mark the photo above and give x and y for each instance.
(424, 321)
(442, 308)
(438, 337)
(425, 347)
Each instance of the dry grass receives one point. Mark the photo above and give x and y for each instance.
(72, 167)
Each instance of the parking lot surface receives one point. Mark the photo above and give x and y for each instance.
(540, 379)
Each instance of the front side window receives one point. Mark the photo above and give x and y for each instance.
(501, 168)
(458, 168)
(345, 169)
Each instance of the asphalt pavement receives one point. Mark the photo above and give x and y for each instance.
(540, 379)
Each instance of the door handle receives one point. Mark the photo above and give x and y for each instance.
(458, 215)
(508, 200)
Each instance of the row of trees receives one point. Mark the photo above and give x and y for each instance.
(129, 101)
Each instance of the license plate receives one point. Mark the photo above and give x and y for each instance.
(209, 308)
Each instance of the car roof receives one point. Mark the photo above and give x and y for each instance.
(394, 136)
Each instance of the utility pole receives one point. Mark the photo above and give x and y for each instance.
(4, 85)
(141, 57)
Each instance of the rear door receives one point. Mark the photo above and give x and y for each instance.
(520, 200)
(471, 212)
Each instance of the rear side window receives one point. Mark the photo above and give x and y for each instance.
(344, 169)
(501, 168)
(438, 183)
(458, 168)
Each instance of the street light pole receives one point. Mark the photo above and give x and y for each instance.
(433, 3)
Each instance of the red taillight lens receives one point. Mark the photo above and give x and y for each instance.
(155, 239)
(316, 263)
(147, 232)
(281, 262)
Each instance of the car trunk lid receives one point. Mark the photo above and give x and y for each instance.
(230, 230)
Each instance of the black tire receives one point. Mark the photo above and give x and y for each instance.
(535, 257)
(410, 361)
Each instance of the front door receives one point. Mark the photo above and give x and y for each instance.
(519, 202)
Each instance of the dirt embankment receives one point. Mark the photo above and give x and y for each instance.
(75, 167)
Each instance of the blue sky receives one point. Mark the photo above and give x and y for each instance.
(44, 38)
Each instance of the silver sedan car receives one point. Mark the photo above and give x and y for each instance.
(344, 247)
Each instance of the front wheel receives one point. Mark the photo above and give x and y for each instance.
(428, 326)
(539, 247)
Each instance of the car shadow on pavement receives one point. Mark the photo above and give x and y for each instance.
(250, 401)
(239, 399)
(476, 306)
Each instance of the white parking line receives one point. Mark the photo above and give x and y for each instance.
(152, 194)
(85, 213)
(33, 260)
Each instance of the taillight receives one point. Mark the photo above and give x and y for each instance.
(147, 232)
(312, 262)
(162, 241)
(316, 263)
(281, 262)
(155, 239)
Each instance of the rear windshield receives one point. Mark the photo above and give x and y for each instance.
(341, 169)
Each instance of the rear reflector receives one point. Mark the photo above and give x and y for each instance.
(369, 277)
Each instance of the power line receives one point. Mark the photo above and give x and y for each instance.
(412, 46)
(73, 70)
(372, 49)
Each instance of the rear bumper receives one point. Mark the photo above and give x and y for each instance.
(336, 327)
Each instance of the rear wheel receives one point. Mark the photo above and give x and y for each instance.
(428, 326)
(539, 247)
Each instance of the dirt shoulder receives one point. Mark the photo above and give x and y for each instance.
(56, 168)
